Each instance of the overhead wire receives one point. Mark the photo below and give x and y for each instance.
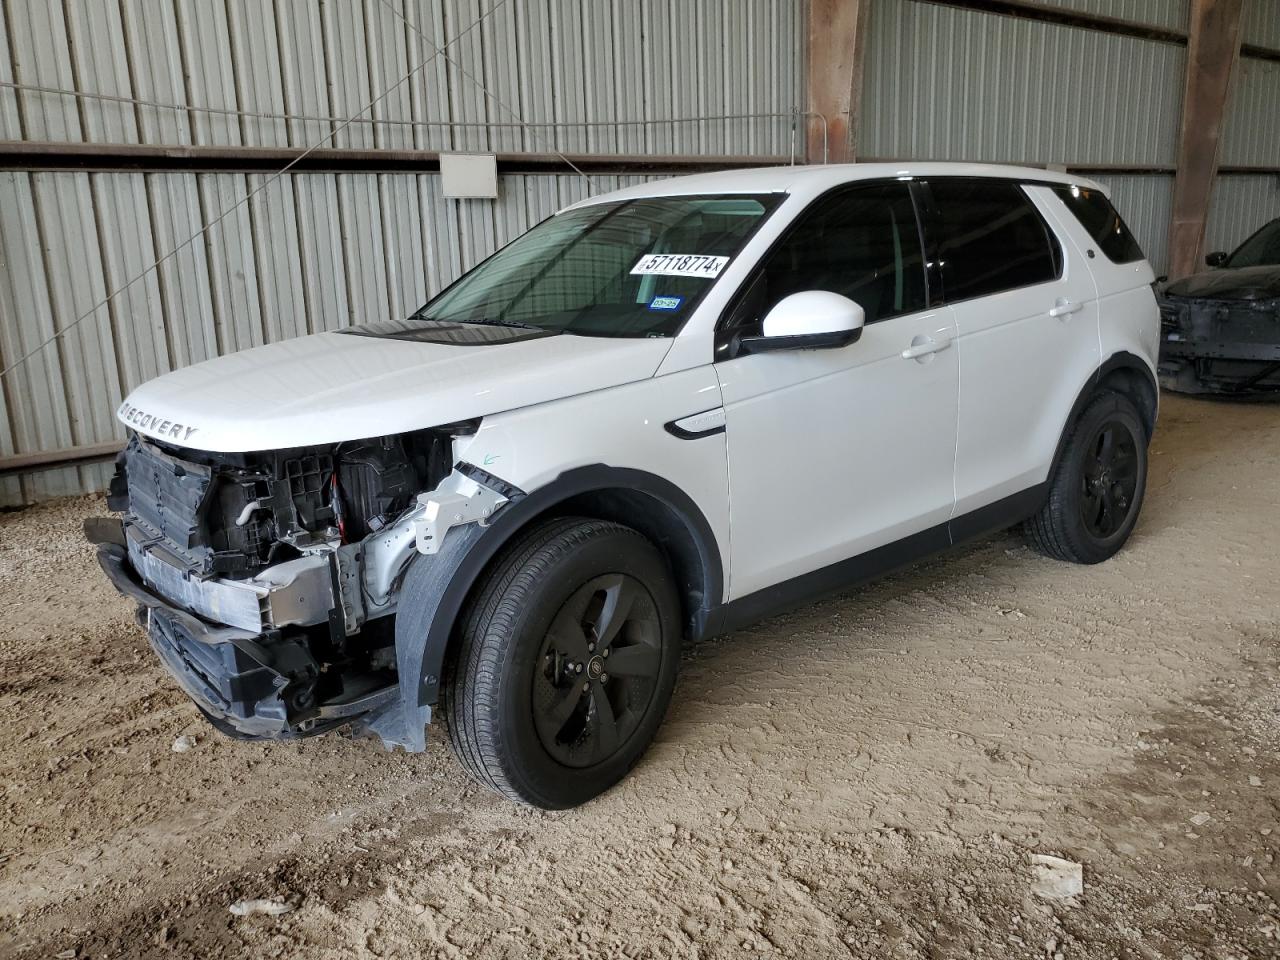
(388, 121)
(63, 331)
(487, 92)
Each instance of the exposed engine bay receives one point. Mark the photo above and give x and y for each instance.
(267, 581)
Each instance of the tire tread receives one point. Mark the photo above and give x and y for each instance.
(488, 630)
(1050, 530)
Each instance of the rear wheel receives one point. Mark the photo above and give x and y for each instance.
(566, 663)
(1097, 488)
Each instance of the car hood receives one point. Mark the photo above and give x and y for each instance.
(1241, 283)
(384, 379)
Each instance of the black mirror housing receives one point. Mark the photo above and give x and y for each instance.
(806, 341)
(1216, 259)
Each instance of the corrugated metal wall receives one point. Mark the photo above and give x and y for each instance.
(1262, 23)
(1173, 14)
(311, 252)
(1251, 136)
(544, 61)
(949, 84)
(952, 84)
(1241, 204)
(315, 251)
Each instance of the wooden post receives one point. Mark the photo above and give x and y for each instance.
(1212, 53)
(835, 77)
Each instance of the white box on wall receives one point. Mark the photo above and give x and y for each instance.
(469, 175)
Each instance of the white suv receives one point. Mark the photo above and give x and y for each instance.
(658, 415)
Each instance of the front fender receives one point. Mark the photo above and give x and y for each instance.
(437, 586)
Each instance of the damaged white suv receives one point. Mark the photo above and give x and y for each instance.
(660, 414)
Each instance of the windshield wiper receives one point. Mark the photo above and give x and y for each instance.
(490, 322)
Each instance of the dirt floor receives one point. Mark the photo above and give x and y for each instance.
(867, 777)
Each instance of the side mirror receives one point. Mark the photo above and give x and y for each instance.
(812, 319)
(1216, 259)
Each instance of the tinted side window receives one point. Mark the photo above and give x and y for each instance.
(1099, 218)
(863, 243)
(990, 238)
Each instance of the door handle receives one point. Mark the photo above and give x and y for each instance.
(1065, 307)
(923, 346)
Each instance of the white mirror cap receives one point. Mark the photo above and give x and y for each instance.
(813, 311)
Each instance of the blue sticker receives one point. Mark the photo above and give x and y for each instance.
(666, 303)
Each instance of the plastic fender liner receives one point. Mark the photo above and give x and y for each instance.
(419, 655)
(436, 586)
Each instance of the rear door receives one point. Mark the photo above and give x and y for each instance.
(1026, 316)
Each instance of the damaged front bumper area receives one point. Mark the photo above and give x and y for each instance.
(283, 649)
(249, 685)
(1228, 347)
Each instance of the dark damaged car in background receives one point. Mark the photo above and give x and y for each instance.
(1220, 330)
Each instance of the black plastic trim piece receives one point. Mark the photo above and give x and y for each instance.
(487, 479)
(873, 564)
(508, 521)
(805, 341)
(999, 515)
(1117, 361)
(672, 427)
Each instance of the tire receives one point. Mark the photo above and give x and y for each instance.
(528, 695)
(1096, 492)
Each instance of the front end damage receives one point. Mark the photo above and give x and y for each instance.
(1219, 346)
(268, 583)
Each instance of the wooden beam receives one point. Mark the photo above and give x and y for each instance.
(1213, 51)
(66, 457)
(836, 32)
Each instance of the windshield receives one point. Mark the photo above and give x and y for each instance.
(1260, 250)
(635, 268)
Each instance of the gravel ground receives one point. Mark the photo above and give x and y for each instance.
(867, 777)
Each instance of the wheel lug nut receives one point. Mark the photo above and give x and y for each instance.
(604, 678)
(586, 687)
(577, 668)
(605, 654)
(591, 648)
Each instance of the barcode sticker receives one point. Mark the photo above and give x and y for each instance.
(680, 265)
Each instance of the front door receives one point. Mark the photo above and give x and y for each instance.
(833, 452)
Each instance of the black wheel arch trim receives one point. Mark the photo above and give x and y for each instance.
(480, 552)
(1121, 360)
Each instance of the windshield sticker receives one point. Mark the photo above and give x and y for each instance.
(665, 303)
(680, 265)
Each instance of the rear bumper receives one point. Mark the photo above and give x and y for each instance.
(247, 688)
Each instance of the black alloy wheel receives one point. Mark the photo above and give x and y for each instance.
(1109, 479)
(566, 662)
(1096, 488)
(598, 671)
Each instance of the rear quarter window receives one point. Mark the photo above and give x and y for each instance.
(991, 238)
(1102, 222)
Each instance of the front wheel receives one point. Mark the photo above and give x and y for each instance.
(1097, 488)
(566, 663)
